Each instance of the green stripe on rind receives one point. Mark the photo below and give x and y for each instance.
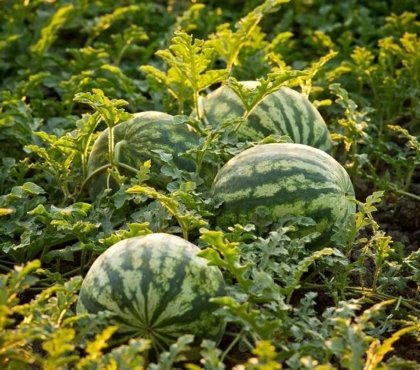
(278, 109)
(285, 179)
(147, 132)
(221, 105)
(284, 112)
(265, 158)
(155, 287)
(292, 114)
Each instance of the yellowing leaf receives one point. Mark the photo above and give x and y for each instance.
(60, 342)
(377, 351)
(6, 211)
(94, 349)
(48, 33)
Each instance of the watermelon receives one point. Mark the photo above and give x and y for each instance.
(154, 287)
(283, 112)
(281, 180)
(138, 139)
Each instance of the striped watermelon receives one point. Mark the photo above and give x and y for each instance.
(286, 179)
(155, 287)
(140, 137)
(284, 112)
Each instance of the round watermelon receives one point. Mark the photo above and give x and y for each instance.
(139, 140)
(155, 287)
(279, 180)
(283, 112)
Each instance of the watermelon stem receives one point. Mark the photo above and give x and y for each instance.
(96, 118)
(232, 344)
(411, 195)
(117, 150)
(127, 167)
(94, 173)
(82, 261)
(211, 138)
(368, 295)
(196, 98)
(5, 268)
(105, 167)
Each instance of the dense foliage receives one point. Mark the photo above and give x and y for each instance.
(69, 70)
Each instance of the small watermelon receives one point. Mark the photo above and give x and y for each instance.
(280, 180)
(284, 112)
(155, 287)
(138, 140)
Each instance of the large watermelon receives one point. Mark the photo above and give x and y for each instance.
(278, 180)
(284, 112)
(138, 139)
(155, 287)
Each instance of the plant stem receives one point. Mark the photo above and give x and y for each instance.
(95, 116)
(409, 178)
(232, 344)
(411, 195)
(98, 170)
(366, 293)
(111, 146)
(5, 269)
(82, 261)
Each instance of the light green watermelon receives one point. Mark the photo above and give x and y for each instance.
(284, 112)
(138, 139)
(279, 180)
(155, 287)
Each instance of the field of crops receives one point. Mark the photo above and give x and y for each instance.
(209, 184)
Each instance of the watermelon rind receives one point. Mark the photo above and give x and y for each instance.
(140, 139)
(281, 180)
(155, 287)
(283, 112)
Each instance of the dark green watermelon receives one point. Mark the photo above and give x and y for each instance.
(283, 112)
(155, 287)
(280, 180)
(137, 140)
